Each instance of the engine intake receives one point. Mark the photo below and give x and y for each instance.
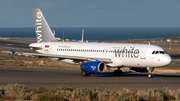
(94, 67)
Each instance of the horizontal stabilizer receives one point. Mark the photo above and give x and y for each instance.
(13, 52)
(18, 45)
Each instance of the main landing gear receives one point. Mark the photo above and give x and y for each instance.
(117, 72)
(84, 73)
(150, 69)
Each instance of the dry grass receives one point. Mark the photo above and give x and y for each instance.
(86, 94)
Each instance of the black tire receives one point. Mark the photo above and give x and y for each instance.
(88, 74)
(115, 73)
(83, 73)
(119, 73)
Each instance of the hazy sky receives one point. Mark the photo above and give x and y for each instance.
(92, 13)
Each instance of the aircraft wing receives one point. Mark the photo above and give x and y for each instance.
(69, 57)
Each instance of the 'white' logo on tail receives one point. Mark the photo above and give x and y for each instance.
(38, 25)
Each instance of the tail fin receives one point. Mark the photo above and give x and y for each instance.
(43, 31)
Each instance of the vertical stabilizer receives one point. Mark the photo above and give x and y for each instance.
(43, 31)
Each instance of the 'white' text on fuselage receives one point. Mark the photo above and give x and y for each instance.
(131, 52)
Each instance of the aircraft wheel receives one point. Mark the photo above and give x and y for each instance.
(117, 73)
(83, 73)
(88, 74)
(120, 73)
(150, 76)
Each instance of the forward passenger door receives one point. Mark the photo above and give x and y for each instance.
(143, 53)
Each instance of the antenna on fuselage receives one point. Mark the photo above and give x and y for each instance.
(82, 40)
(63, 36)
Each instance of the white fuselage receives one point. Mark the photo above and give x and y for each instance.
(121, 54)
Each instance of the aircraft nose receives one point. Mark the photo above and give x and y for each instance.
(167, 60)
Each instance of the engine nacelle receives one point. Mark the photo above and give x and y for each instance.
(94, 67)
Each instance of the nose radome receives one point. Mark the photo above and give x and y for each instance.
(167, 60)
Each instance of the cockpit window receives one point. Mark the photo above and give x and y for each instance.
(162, 52)
(165, 51)
(153, 52)
(159, 52)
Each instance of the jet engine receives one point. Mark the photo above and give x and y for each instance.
(94, 67)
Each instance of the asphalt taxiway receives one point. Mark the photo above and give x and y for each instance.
(52, 78)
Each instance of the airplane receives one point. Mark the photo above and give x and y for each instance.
(96, 57)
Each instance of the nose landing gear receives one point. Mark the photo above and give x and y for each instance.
(150, 70)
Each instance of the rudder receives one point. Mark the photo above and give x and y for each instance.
(43, 31)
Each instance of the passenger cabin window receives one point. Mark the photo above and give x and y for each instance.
(86, 50)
